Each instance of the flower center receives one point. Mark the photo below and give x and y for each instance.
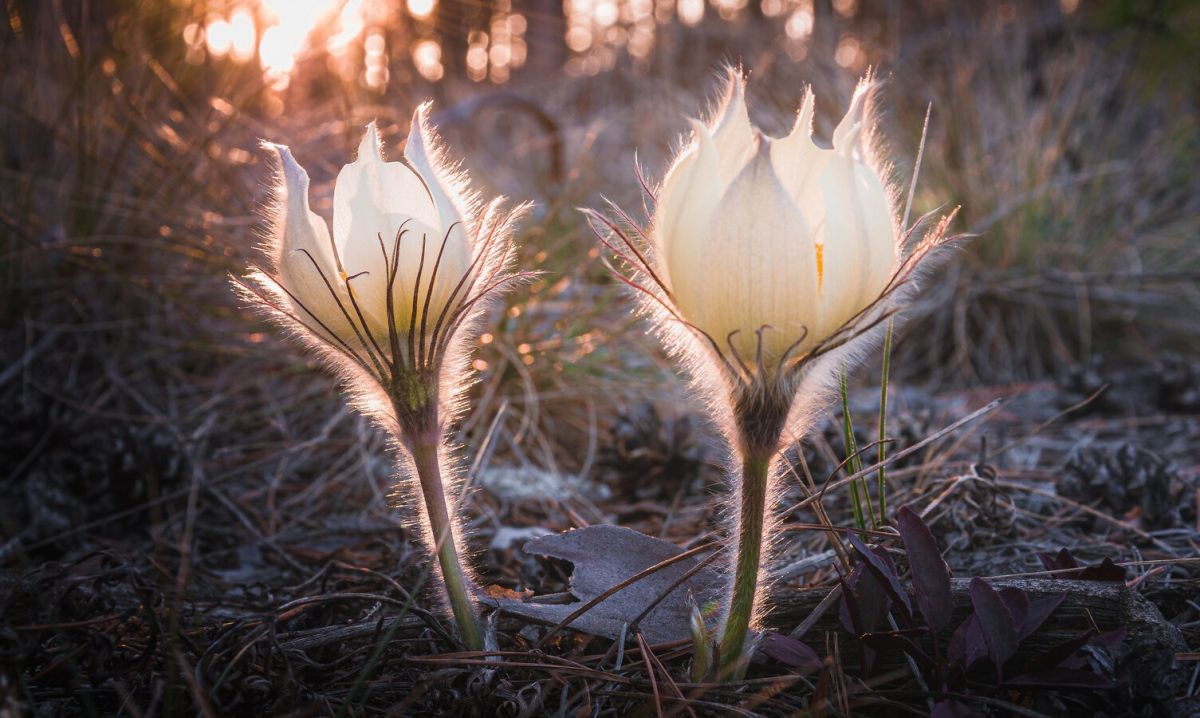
(820, 265)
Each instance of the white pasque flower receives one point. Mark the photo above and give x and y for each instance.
(777, 238)
(780, 259)
(384, 297)
(410, 257)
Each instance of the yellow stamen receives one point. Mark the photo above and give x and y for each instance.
(820, 264)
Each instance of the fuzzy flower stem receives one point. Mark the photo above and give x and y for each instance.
(760, 413)
(425, 447)
(751, 516)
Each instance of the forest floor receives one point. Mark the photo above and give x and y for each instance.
(193, 521)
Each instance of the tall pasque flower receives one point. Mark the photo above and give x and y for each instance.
(768, 265)
(390, 300)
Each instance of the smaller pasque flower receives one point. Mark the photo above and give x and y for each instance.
(768, 265)
(388, 297)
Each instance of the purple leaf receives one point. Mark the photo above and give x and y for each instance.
(1061, 561)
(1054, 656)
(792, 653)
(1017, 603)
(1106, 570)
(873, 601)
(967, 645)
(930, 574)
(898, 640)
(999, 630)
(885, 571)
(1039, 610)
(956, 678)
(851, 611)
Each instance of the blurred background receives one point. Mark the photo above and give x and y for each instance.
(164, 449)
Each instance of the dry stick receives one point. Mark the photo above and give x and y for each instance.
(650, 672)
(198, 695)
(822, 515)
(619, 644)
(1159, 562)
(987, 409)
(717, 708)
(834, 541)
(1047, 423)
(674, 585)
(815, 615)
(654, 664)
(1086, 509)
(623, 584)
(457, 660)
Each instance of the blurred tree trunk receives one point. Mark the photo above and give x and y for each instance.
(825, 29)
(545, 37)
(453, 27)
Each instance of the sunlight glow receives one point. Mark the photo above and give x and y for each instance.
(376, 61)
(356, 38)
(691, 12)
(427, 57)
(477, 55)
(849, 52)
(421, 8)
(800, 24)
(242, 34)
(279, 32)
(218, 36)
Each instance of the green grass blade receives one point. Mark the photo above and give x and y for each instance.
(881, 451)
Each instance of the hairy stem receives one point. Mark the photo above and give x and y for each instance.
(425, 451)
(756, 469)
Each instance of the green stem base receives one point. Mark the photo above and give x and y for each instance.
(751, 516)
(425, 452)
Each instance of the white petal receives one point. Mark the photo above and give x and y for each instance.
(879, 223)
(757, 267)
(372, 201)
(448, 255)
(732, 132)
(799, 161)
(304, 257)
(683, 219)
(858, 241)
(846, 134)
(686, 201)
(418, 150)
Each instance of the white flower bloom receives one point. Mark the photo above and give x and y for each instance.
(769, 265)
(409, 258)
(781, 237)
(387, 298)
(395, 226)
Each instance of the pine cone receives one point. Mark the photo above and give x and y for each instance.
(1130, 482)
(1178, 384)
(650, 457)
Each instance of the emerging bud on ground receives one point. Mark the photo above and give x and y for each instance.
(769, 265)
(390, 299)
